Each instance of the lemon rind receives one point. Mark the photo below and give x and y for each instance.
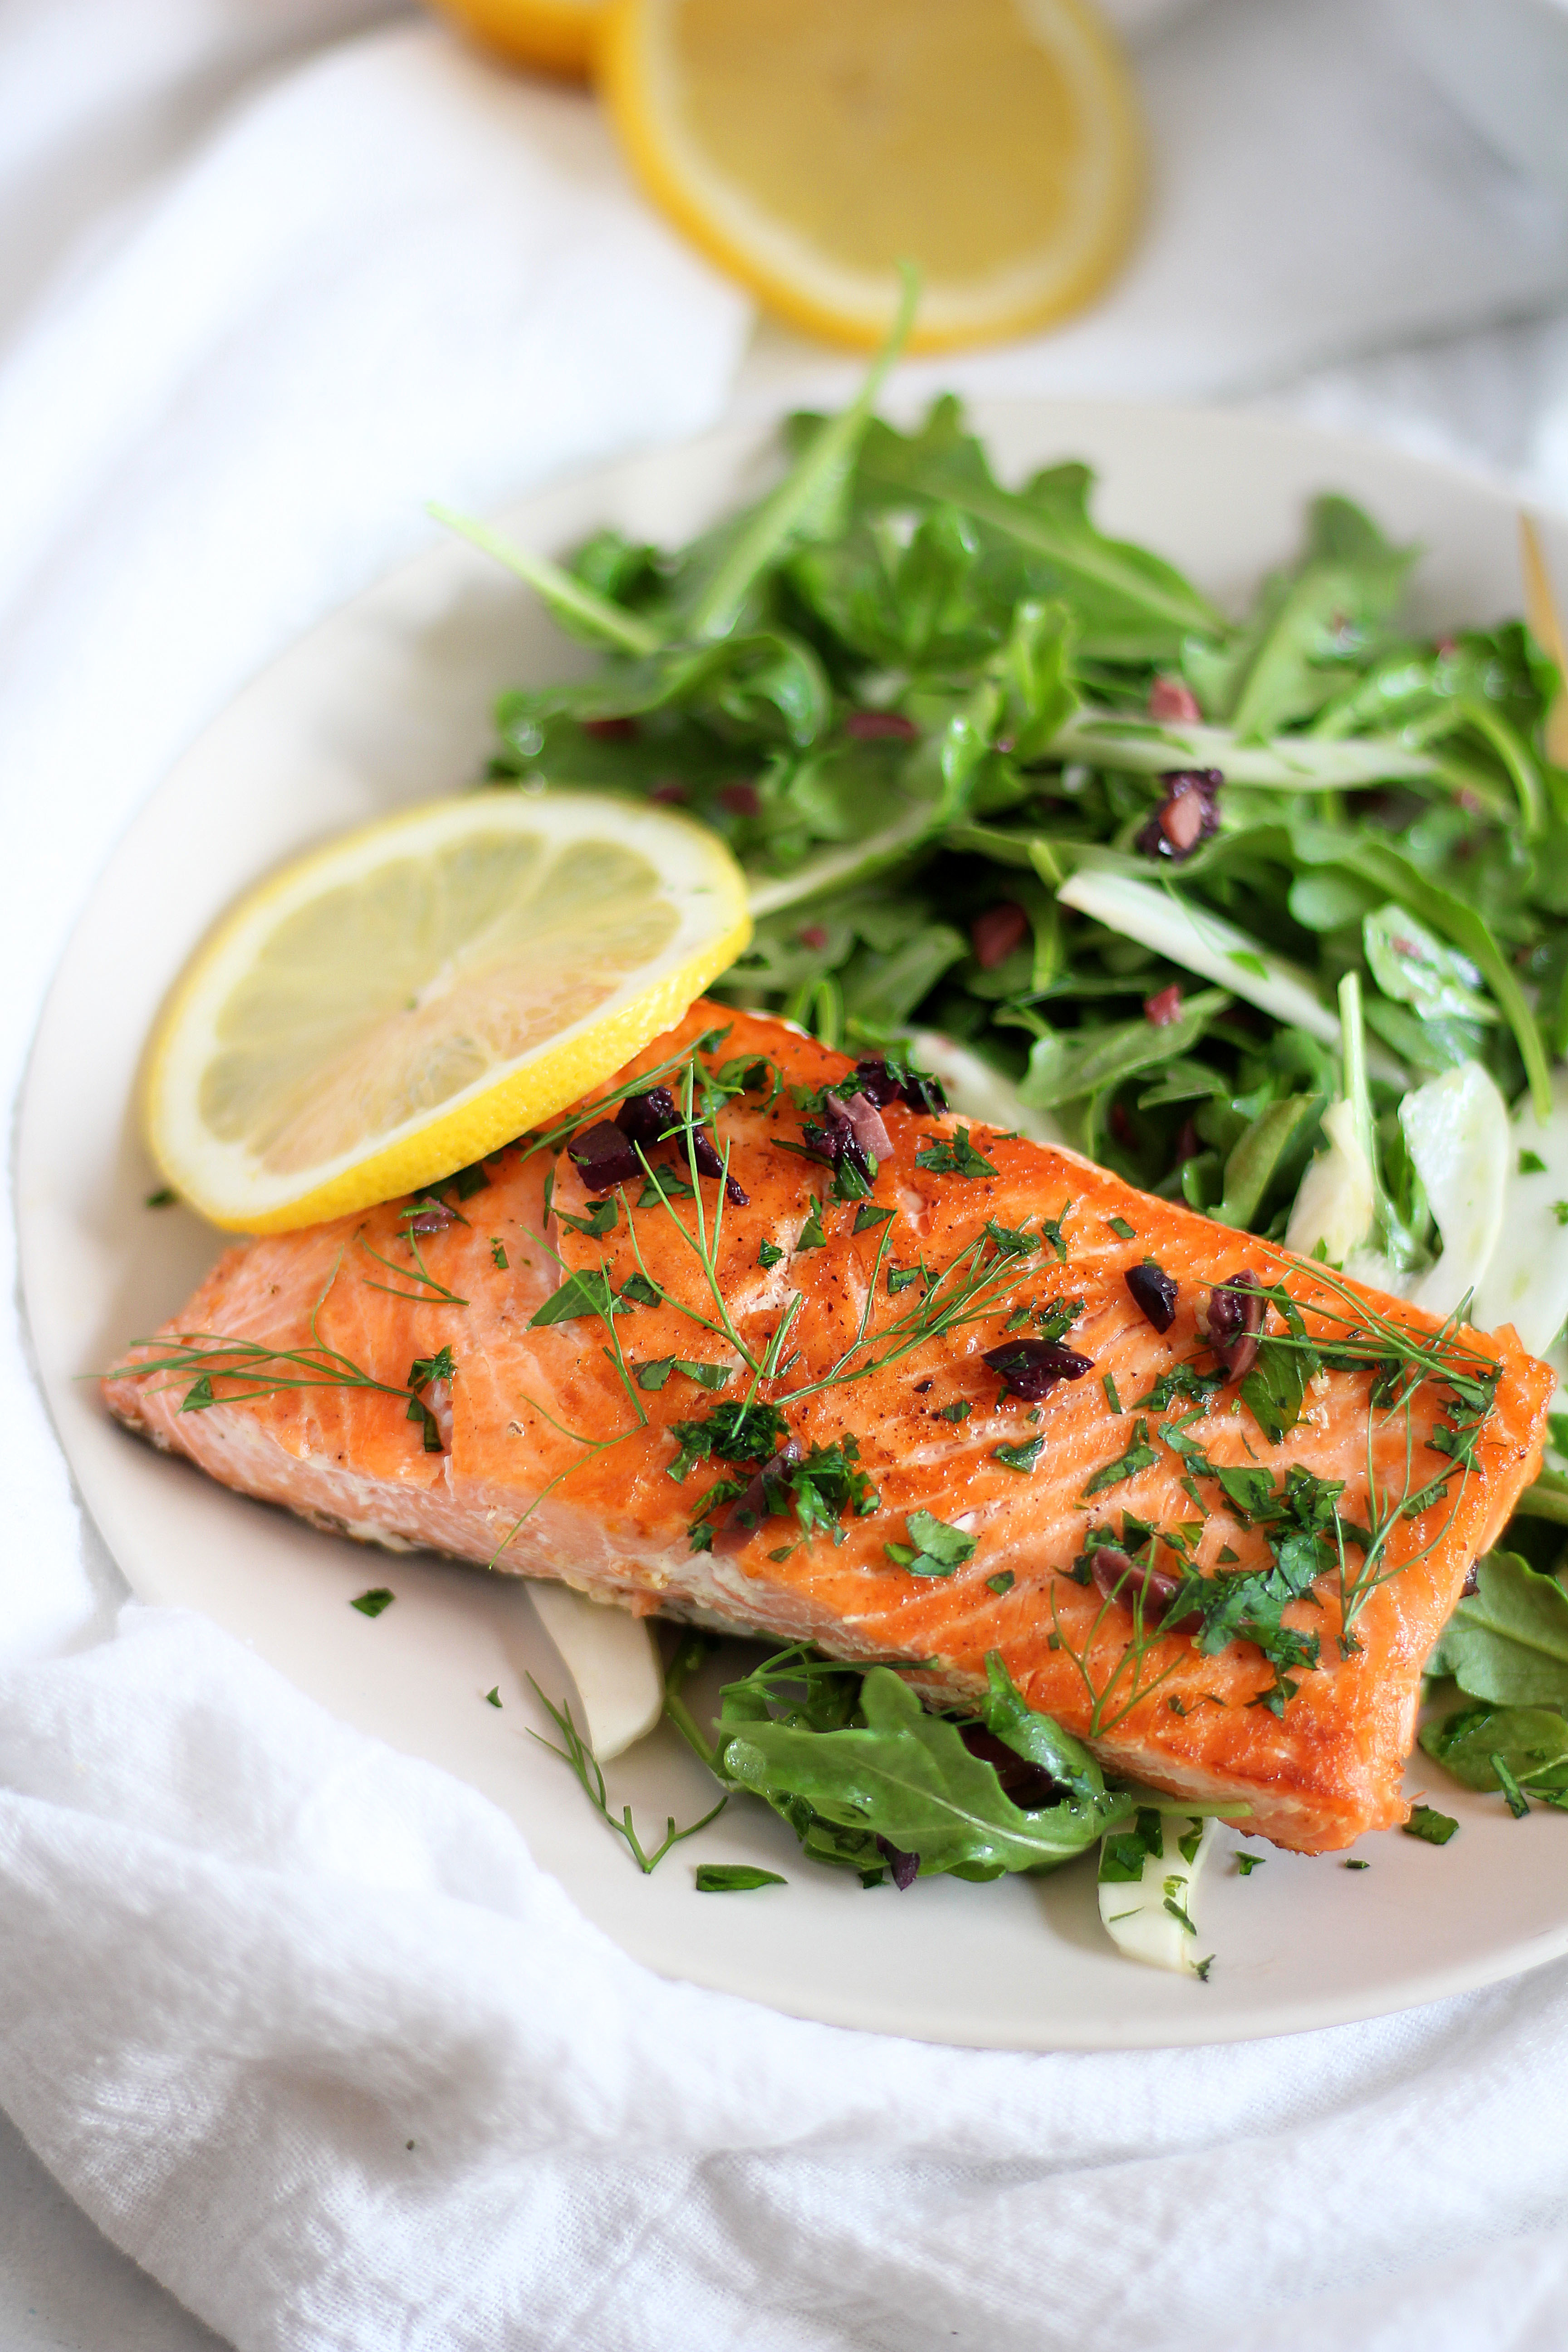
(858, 316)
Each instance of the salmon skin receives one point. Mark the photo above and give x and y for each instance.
(974, 1434)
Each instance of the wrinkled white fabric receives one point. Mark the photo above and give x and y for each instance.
(273, 273)
(296, 2018)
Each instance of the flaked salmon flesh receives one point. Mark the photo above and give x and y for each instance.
(555, 1461)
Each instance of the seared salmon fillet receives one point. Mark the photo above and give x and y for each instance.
(914, 1390)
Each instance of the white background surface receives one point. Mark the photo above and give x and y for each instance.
(259, 295)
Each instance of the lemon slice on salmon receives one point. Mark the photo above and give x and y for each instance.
(812, 146)
(557, 34)
(411, 996)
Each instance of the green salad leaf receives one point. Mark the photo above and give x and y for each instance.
(906, 1777)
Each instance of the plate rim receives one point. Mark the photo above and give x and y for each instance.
(745, 440)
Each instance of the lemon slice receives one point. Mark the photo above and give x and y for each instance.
(555, 34)
(414, 995)
(810, 146)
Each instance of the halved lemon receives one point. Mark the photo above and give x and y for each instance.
(811, 146)
(557, 34)
(413, 995)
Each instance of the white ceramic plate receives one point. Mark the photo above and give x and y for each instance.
(388, 702)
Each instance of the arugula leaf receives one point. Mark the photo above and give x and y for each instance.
(1270, 1152)
(1038, 1738)
(1508, 1641)
(1531, 1742)
(906, 1777)
(1064, 1064)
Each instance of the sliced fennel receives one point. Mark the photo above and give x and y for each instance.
(1204, 944)
(1458, 1137)
(1148, 1877)
(1297, 763)
(1526, 1280)
(838, 869)
(1338, 1196)
(613, 1659)
(977, 1091)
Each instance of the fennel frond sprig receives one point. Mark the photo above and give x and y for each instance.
(581, 1758)
(431, 1294)
(204, 1357)
(1130, 1662)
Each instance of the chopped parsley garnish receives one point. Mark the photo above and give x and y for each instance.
(1173, 1904)
(584, 1292)
(934, 1548)
(1019, 1457)
(372, 1603)
(1518, 1803)
(1052, 1229)
(1011, 1240)
(811, 1234)
(663, 1183)
(953, 1156)
(826, 1484)
(1002, 1582)
(769, 1254)
(1560, 1211)
(1248, 1863)
(1139, 1456)
(469, 1180)
(734, 1878)
(1182, 1380)
(498, 1254)
(707, 1376)
(602, 1218)
(1530, 1163)
(1057, 1317)
(900, 1278)
(1424, 1821)
(164, 1198)
(492, 1697)
(960, 1410)
(1121, 1229)
(735, 1433)
(638, 1291)
(869, 1216)
(1107, 1382)
(1356, 1863)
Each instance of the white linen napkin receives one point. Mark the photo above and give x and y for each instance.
(305, 2030)
(246, 1955)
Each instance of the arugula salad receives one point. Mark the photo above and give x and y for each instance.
(1269, 914)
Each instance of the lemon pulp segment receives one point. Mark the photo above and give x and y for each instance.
(418, 993)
